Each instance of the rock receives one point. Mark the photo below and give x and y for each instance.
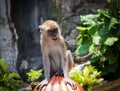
(8, 37)
(108, 86)
(69, 31)
(27, 16)
(71, 40)
(28, 88)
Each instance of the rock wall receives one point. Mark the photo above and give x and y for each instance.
(27, 15)
(8, 36)
(19, 44)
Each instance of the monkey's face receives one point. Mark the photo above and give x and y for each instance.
(50, 30)
(53, 33)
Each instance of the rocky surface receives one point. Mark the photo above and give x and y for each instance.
(19, 44)
(8, 36)
(108, 86)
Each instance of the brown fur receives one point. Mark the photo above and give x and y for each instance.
(55, 55)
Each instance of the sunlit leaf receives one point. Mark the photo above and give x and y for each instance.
(91, 47)
(86, 71)
(110, 41)
(89, 19)
(96, 40)
(89, 76)
(13, 75)
(79, 41)
(113, 21)
(104, 13)
(3, 65)
(108, 1)
(34, 74)
(81, 28)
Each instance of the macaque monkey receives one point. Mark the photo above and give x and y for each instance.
(57, 60)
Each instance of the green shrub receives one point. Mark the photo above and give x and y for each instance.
(34, 75)
(87, 78)
(101, 33)
(8, 81)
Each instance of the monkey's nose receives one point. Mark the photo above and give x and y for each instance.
(55, 34)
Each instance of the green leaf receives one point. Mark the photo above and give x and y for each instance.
(81, 28)
(89, 20)
(94, 29)
(7, 79)
(3, 65)
(110, 41)
(113, 21)
(96, 40)
(83, 48)
(79, 40)
(105, 13)
(13, 75)
(108, 1)
(91, 47)
(33, 74)
(86, 71)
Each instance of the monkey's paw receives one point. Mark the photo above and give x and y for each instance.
(73, 85)
(42, 84)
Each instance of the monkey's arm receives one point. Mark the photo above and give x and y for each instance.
(46, 65)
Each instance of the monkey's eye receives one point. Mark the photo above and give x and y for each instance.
(52, 31)
(56, 30)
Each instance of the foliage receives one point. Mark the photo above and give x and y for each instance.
(8, 81)
(34, 74)
(87, 78)
(101, 32)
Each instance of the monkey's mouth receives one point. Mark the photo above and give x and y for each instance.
(54, 39)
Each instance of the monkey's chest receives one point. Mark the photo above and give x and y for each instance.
(55, 59)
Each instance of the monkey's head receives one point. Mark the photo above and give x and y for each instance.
(50, 29)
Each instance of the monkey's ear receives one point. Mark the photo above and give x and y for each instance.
(43, 28)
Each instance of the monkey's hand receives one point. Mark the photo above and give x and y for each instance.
(42, 84)
(73, 85)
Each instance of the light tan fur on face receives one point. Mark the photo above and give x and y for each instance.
(50, 23)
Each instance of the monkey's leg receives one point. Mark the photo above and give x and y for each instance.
(70, 61)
